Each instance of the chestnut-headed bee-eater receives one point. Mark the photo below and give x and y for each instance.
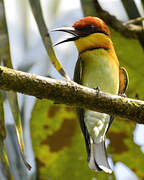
(97, 67)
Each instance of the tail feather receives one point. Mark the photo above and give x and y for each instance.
(92, 163)
(98, 158)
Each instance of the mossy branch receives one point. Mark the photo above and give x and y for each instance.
(70, 93)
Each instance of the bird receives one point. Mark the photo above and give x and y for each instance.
(97, 67)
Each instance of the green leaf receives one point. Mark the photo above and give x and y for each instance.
(12, 96)
(4, 166)
(130, 55)
(58, 143)
(123, 148)
(88, 7)
(38, 15)
(54, 5)
(131, 8)
(2, 123)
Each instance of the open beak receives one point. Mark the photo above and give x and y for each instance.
(69, 30)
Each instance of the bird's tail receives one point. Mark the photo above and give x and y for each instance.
(98, 158)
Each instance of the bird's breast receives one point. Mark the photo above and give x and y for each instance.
(99, 69)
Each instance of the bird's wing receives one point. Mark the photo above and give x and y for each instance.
(123, 80)
(80, 111)
(123, 84)
(110, 123)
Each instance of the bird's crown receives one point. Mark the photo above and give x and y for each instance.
(89, 25)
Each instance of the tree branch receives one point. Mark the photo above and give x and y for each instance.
(134, 21)
(70, 93)
(128, 30)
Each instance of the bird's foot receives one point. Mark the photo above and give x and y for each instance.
(123, 95)
(97, 89)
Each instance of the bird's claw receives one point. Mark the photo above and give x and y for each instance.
(97, 89)
(123, 95)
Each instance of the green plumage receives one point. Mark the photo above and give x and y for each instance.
(100, 70)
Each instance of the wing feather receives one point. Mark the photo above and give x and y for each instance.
(80, 111)
(123, 80)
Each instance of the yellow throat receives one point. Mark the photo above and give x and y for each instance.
(96, 41)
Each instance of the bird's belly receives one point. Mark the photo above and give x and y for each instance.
(97, 124)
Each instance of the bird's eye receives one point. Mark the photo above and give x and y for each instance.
(84, 31)
(89, 29)
(92, 27)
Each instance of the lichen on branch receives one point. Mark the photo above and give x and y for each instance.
(71, 93)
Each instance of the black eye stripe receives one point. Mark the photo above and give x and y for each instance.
(89, 30)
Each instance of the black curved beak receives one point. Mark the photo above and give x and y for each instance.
(69, 30)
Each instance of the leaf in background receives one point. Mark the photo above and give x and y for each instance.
(58, 143)
(88, 8)
(131, 9)
(4, 166)
(130, 55)
(2, 123)
(54, 7)
(123, 148)
(142, 1)
(25, 20)
(38, 15)
(12, 96)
